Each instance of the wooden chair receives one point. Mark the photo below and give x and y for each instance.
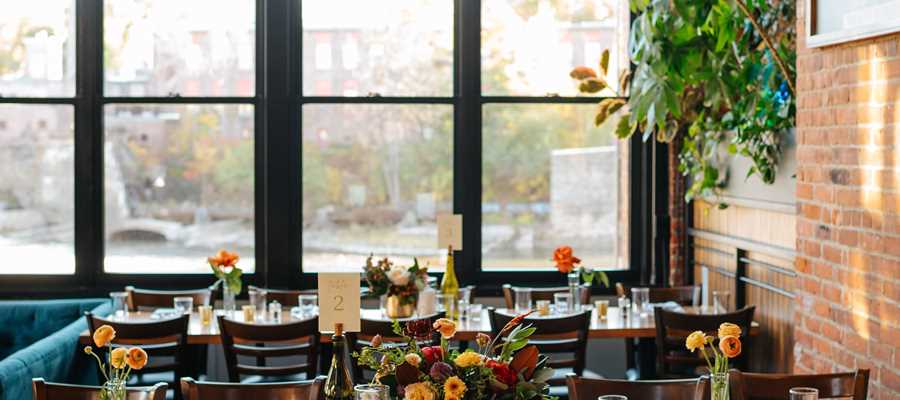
(555, 336)
(672, 328)
(164, 341)
(683, 295)
(301, 390)
(509, 294)
(371, 327)
(752, 386)
(287, 298)
(143, 299)
(42, 390)
(682, 389)
(264, 342)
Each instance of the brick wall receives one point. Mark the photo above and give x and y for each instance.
(848, 205)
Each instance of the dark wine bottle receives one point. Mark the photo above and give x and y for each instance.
(338, 385)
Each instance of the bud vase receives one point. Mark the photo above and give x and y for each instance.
(113, 389)
(719, 384)
(396, 308)
(227, 299)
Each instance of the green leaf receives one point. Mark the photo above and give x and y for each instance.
(592, 85)
(604, 62)
(624, 129)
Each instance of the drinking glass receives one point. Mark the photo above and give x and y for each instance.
(523, 300)
(442, 302)
(475, 310)
(258, 300)
(640, 301)
(562, 302)
(696, 297)
(206, 313)
(465, 297)
(249, 312)
(543, 307)
(371, 392)
(804, 393)
(602, 307)
(612, 397)
(308, 303)
(184, 305)
(119, 304)
(721, 301)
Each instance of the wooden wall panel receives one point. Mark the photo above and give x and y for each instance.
(749, 249)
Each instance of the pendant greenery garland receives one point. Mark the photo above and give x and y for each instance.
(718, 72)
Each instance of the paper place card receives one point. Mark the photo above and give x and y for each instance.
(450, 231)
(339, 301)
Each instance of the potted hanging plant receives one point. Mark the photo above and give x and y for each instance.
(397, 285)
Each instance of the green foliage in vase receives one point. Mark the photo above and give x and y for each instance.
(718, 72)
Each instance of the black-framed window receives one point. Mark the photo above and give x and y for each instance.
(306, 134)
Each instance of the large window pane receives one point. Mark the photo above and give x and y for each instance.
(37, 48)
(37, 189)
(179, 186)
(529, 47)
(374, 178)
(551, 178)
(389, 47)
(189, 48)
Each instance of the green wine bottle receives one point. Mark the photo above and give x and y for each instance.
(338, 385)
(450, 286)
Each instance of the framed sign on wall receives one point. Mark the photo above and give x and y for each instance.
(837, 21)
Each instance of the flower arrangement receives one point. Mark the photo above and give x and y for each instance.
(387, 278)
(566, 262)
(119, 363)
(503, 369)
(729, 347)
(224, 267)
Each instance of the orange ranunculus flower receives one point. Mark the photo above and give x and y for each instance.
(137, 358)
(103, 335)
(117, 357)
(565, 261)
(224, 259)
(446, 327)
(730, 346)
(582, 72)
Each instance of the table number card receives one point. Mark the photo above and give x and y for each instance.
(449, 231)
(339, 301)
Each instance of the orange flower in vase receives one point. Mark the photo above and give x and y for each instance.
(565, 261)
(224, 259)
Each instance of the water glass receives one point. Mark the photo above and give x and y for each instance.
(119, 304)
(475, 310)
(562, 302)
(206, 313)
(696, 297)
(721, 301)
(184, 305)
(602, 307)
(258, 299)
(523, 300)
(543, 307)
(249, 312)
(804, 393)
(612, 397)
(640, 301)
(465, 297)
(442, 302)
(308, 304)
(371, 392)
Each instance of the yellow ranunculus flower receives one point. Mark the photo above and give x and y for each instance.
(418, 391)
(117, 357)
(413, 359)
(104, 335)
(454, 387)
(729, 329)
(695, 340)
(468, 359)
(446, 327)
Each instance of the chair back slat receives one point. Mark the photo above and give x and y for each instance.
(673, 327)
(287, 298)
(754, 386)
(42, 390)
(263, 342)
(509, 294)
(302, 390)
(592, 388)
(683, 295)
(144, 299)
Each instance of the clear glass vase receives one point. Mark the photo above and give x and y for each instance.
(719, 385)
(113, 389)
(227, 299)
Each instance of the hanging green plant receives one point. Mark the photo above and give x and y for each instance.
(718, 72)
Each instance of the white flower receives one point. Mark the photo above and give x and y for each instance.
(398, 275)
